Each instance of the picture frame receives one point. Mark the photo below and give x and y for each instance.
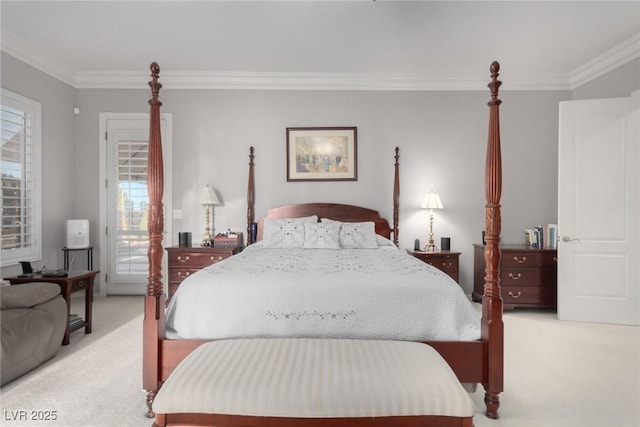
(322, 154)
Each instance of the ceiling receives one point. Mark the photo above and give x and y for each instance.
(361, 44)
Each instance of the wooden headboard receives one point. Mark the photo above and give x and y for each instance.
(335, 211)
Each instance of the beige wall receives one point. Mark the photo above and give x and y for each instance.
(59, 159)
(441, 135)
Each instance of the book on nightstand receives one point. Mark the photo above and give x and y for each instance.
(228, 239)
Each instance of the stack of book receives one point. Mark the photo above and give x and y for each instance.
(228, 239)
(75, 321)
(542, 237)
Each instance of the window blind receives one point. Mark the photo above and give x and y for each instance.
(133, 205)
(20, 154)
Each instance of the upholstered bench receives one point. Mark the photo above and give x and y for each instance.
(313, 382)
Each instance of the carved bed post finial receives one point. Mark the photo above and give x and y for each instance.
(492, 324)
(495, 84)
(396, 196)
(250, 198)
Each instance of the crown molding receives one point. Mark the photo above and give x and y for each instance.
(313, 81)
(38, 59)
(615, 57)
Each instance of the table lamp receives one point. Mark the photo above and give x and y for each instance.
(208, 198)
(431, 202)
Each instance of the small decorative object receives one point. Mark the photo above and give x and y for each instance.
(445, 243)
(254, 232)
(431, 202)
(208, 198)
(229, 239)
(184, 239)
(322, 154)
(416, 245)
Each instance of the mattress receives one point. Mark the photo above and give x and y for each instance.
(380, 293)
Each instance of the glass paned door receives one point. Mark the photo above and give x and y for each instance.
(132, 203)
(125, 203)
(128, 208)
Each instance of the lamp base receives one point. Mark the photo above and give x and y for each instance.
(431, 247)
(207, 240)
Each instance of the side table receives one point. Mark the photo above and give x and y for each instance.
(74, 281)
(89, 251)
(186, 260)
(446, 261)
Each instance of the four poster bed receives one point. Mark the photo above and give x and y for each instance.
(189, 338)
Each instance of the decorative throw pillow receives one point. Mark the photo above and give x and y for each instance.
(321, 235)
(285, 232)
(358, 235)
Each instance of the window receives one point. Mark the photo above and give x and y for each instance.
(20, 159)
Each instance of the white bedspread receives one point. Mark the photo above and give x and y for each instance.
(322, 293)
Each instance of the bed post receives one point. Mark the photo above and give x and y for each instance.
(492, 325)
(396, 196)
(154, 302)
(250, 199)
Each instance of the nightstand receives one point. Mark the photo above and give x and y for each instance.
(442, 260)
(528, 276)
(186, 260)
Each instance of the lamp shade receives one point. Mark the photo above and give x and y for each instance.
(432, 201)
(208, 196)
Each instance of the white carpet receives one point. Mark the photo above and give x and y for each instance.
(100, 385)
(557, 374)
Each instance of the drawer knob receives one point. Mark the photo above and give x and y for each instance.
(520, 260)
(185, 259)
(515, 277)
(81, 283)
(512, 295)
(181, 275)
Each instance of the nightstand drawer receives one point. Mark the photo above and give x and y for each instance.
(520, 276)
(80, 284)
(447, 262)
(525, 259)
(524, 295)
(550, 260)
(448, 265)
(195, 259)
(177, 275)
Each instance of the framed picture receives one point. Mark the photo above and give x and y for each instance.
(322, 154)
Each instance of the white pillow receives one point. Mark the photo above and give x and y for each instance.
(285, 232)
(321, 235)
(356, 235)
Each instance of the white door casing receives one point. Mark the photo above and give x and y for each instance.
(125, 130)
(598, 211)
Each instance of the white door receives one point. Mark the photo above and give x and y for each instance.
(125, 242)
(598, 211)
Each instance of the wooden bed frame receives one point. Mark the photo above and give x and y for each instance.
(473, 362)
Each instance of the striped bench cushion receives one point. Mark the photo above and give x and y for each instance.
(314, 378)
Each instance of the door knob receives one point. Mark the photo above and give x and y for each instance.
(567, 239)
